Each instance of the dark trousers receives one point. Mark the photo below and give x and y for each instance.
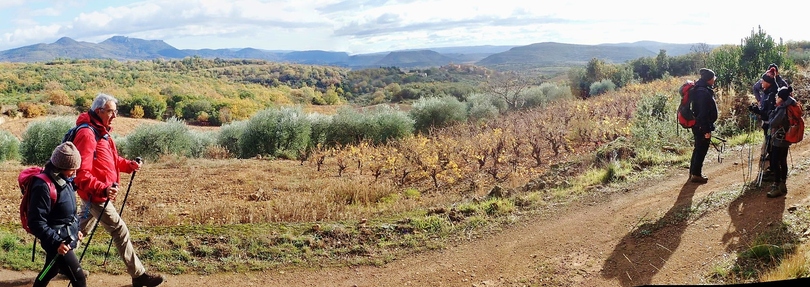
(69, 263)
(779, 165)
(699, 153)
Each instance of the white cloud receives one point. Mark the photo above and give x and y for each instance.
(375, 25)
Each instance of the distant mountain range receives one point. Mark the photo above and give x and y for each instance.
(546, 54)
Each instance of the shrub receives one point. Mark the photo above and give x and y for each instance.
(275, 132)
(437, 112)
(153, 106)
(319, 125)
(201, 142)
(153, 141)
(9, 146)
(347, 127)
(482, 107)
(230, 135)
(601, 87)
(31, 110)
(41, 137)
(137, 112)
(387, 124)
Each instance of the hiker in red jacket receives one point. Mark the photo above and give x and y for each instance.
(97, 181)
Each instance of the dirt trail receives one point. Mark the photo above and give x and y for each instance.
(589, 244)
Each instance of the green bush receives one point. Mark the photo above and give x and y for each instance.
(653, 125)
(482, 107)
(348, 126)
(275, 132)
(201, 141)
(9, 146)
(437, 112)
(387, 124)
(152, 141)
(41, 137)
(601, 87)
(230, 135)
(319, 125)
(293, 132)
(153, 106)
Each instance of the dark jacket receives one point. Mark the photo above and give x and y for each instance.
(703, 106)
(759, 94)
(780, 124)
(53, 223)
(101, 165)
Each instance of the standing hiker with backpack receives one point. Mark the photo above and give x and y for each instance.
(705, 110)
(780, 123)
(54, 222)
(97, 181)
(766, 102)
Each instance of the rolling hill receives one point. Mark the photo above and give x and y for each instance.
(538, 55)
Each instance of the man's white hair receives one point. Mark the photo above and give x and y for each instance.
(101, 100)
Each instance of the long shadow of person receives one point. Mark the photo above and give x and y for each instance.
(756, 221)
(645, 250)
(17, 283)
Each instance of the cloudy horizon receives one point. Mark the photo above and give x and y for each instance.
(367, 26)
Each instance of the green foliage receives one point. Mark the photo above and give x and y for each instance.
(9, 146)
(483, 107)
(150, 142)
(201, 141)
(275, 132)
(229, 136)
(437, 112)
(347, 126)
(153, 106)
(320, 124)
(386, 123)
(601, 87)
(653, 125)
(41, 137)
(758, 51)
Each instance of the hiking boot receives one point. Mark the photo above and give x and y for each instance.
(777, 190)
(147, 280)
(698, 178)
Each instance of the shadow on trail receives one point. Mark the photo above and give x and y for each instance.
(17, 283)
(756, 233)
(644, 251)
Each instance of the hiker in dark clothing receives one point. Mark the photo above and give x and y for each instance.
(780, 124)
(705, 110)
(56, 224)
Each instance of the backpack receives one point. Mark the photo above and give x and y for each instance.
(24, 180)
(71, 133)
(686, 118)
(795, 133)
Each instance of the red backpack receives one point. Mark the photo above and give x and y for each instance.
(25, 179)
(685, 116)
(795, 133)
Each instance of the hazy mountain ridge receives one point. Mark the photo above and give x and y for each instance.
(546, 54)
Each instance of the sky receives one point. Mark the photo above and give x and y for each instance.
(368, 26)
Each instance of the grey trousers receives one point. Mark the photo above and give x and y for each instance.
(118, 230)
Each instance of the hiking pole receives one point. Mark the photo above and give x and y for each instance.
(121, 211)
(93, 231)
(47, 268)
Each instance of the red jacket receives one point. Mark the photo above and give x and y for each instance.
(101, 165)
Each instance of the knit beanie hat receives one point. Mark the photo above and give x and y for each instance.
(784, 92)
(66, 157)
(768, 77)
(706, 74)
(773, 65)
